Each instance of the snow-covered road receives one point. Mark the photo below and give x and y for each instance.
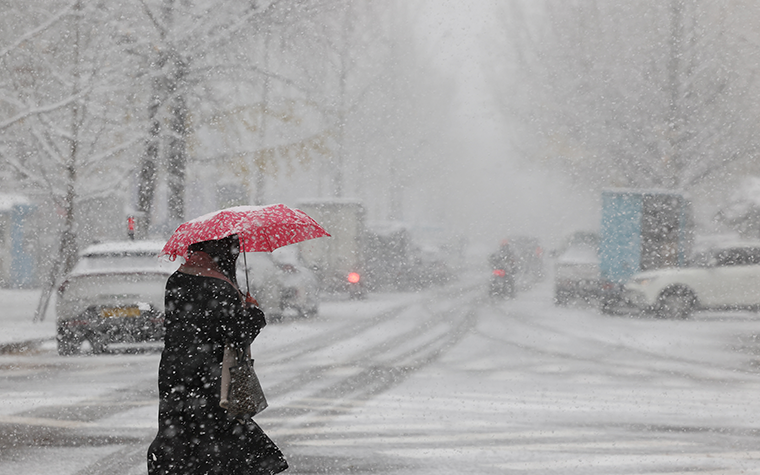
(444, 381)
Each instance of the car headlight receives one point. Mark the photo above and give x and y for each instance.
(642, 281)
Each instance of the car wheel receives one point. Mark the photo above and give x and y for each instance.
(98, 344)
(512, 291)
(609, 305)
(68, 346)
(675, 303)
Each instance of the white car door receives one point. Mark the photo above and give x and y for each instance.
(735, 279)
(740, 288)
(716, 286)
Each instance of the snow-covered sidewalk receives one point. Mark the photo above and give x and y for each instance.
(17, 325)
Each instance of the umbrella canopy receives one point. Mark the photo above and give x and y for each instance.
(261, 228)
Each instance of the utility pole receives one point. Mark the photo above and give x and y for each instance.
(675, 164)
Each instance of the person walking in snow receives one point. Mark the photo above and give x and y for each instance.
(204, 312)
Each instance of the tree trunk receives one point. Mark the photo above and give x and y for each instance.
(67, 248)
(177, 153)
(146, 187)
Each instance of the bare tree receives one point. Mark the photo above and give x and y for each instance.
(639, 94)
(383, 102)
(201, 64)
(65, 128)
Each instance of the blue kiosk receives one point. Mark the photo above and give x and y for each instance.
(17, 261)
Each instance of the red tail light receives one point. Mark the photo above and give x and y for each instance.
(354, 277)
(499, 272)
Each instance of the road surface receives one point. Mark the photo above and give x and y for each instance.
(437, 382)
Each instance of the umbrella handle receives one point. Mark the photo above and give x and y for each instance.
(245, 265)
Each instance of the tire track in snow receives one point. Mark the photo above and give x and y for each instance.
(378, 367)
(640, 359)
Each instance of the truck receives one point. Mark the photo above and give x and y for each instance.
(641, 230)
(338, 260)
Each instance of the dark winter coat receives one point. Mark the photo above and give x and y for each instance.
(195, 435)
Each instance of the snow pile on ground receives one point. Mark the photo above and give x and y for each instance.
(17, 309)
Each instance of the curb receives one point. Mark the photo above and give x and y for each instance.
(22, 346)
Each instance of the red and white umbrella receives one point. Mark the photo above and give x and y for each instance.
(261, 228)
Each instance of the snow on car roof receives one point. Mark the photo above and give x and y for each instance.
(124, 247)
(579, 255)
(122, 257)
(387, 227)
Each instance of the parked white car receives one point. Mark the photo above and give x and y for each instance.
(726, 277)
(114, 294)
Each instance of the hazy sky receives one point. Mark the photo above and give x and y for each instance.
(500, 194)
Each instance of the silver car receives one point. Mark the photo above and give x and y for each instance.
(576, 271)
(114, 294)
(282, 284)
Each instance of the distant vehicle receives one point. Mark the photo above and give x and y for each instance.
(576, 270)
(282, 284)
(641, 230)
(431, 266)
(529, 256)
(503, 264)
(388, 256)
(340, 257)
(114, 294)
(728, 277)
(395, 261)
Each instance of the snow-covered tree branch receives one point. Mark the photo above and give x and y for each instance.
(638, 94)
